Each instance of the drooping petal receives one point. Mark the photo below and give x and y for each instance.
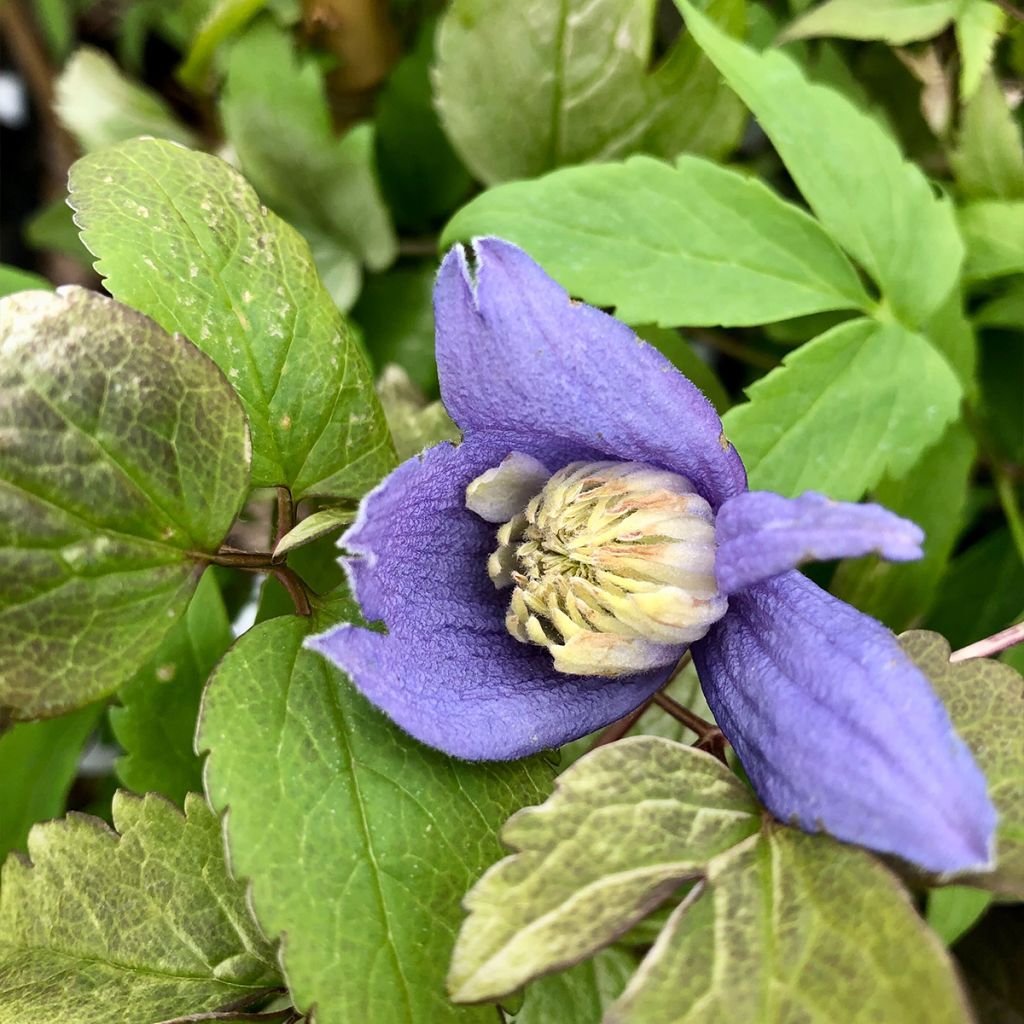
(517, 354)
(839, 731)
(448, 671)
(761, 534)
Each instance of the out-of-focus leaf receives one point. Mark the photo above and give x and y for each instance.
(955, 909)
(977, 26)
(689, 245)
(952, 333)
(859, 402)
(989, 158)
(1005, 310)
(414, 422)
(895, 21)
(156, 723)
(626, 825)
(155, 928)
(992, 960)
(985, 700)
(224, 19)
(1002, 383)
(375, 837)
(14, 279)
(795, 927)
(52, 228)
(879, 207)
(38, 761)
(993, 231)
(675, 347)
(579, 995)
(100, 106)
(933, 494)
(125, 453)
(570, 82)
(56, 19)
(182, 236)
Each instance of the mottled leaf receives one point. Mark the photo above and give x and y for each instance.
(989, 158)
(626, 825)
(182, 236)
(139, 925)
(579, 995)
(124, 453)
(993, 231)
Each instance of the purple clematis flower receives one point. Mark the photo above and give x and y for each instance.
(542, 578)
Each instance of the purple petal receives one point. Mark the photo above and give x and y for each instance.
(839, 731)
(761, 534)
(448, 671)
(521, 356)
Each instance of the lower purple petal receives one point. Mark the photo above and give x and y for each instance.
(447, 670)
(839, 731)
(761, 534)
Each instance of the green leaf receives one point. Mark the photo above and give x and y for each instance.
(626, 825)
(52, 228)
(414, 423)
(570, 82)
(139, 925)
(1005, 310)
(312, 528)
(125, 453)
(692, 244)
(374, 838)
(993, 231)
(278, 122)
(880, 208)
(989, 158)
(579, 995)
(895, 21)
(955, 909)
(933, 494)
(985, 700)
(224, 19)
(182, 236)
(14, 279)
(859, 402)
(156, 723)
(795, 927)
(977, 26)
(38, 763)
(100, 106)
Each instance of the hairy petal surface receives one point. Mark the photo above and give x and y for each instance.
(839, 731)
(761, 534)
(447, 670)
(517, 354)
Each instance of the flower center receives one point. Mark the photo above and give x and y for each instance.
(612, 564)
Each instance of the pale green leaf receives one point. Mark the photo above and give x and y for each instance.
(894, 21)
(977, 26)
(875, 204)
(859, 402)
(125, 453)
(38, 762)
(14, 279)
(955, 909)
(414, 422)
(989, 158)
(374, 839)
(993, 231)
(156, 723)
(692, 244)
(570, 82)
(313, 527)
(101, 106)
(792, 927)
(933, 494)
(579, 995)
(183, 237)
(139, 925)
(985, 700)
(223, 20)
(627, 824)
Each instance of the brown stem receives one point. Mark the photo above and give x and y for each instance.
(292, 582)
(258, 561)
(285, 514)
(709, 736)
(994, 644)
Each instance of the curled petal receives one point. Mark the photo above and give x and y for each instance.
(447, 671)
(517, 354)
(761, 534)
(839, 731)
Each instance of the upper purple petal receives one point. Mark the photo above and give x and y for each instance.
(447, 670)
(839, 731)
(517, 354)
(760, 534)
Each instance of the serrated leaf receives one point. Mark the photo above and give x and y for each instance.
(795, 927)
(101, 106)
(570, 82)
(139, 925)
(989, 158)
(691, 244)
(895, 21)
(626, 825)
(125, 453)
(182, 236)
(953, 910)
(156, 723)
(880, 208)
(375, 838)
(977, 27)
(14, 279)
(38, 763)
(932, 493)
(993, 231)
(860, 401)
(985, 700)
